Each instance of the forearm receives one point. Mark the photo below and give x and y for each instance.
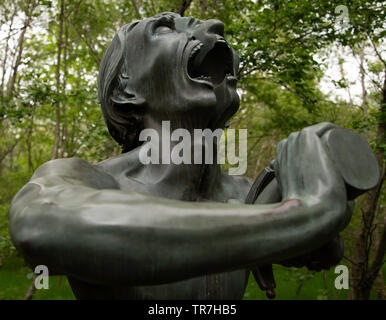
(112, 236)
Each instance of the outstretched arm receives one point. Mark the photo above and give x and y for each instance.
(65, 219)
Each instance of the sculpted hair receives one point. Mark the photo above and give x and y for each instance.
(124, 120)
(122, 111)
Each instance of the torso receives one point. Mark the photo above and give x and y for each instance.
(224, 286)
(229, 285)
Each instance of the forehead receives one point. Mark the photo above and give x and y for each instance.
(181, 24)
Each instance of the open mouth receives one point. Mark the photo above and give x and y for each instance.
(211, 66)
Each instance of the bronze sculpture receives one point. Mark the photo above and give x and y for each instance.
(122, 229)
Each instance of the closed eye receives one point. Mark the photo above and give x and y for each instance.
(163, 29)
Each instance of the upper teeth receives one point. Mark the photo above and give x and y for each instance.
(195, 49)
(221, 39)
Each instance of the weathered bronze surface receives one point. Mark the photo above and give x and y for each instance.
(122, 229)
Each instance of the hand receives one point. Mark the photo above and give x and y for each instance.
(293, 186)
(305, 171)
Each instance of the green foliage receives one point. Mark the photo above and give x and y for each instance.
(6, 247)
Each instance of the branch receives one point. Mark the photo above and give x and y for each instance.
(352, 262)
(20, 46)
(134, 3)
(8, 151)
(184, 5)
(376, 51)
(364, 70)
(31, 290)
(379, 255)
(84, 39)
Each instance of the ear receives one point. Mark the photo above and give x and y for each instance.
(123, 95)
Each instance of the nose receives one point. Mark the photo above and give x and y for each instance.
(214, 26)
(208, 28)
(208, 32)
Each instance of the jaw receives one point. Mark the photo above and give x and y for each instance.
(211, 69)
(228, 103)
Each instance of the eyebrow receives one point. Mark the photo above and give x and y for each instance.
(149, 29)
(133, 25)
(166, 17)
(191, 21)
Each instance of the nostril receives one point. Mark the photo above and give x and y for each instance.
(191, 37)
(216, 26)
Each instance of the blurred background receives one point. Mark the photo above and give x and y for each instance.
(302, 62)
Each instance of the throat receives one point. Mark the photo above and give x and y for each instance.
(189, 182)
(174, 162)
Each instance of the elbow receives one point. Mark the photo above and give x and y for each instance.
(29, 236)
(27, 225)
(34, 232)
(35, 247)
(24, 238)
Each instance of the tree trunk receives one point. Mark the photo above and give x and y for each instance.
(364, 273)
(6, 152)
(4, 64)
(379, 284)
(183, 6)
(58, 86)
(31, 290)
(64, 126)
(29, 140)
(203, 7)
(363, 78)
(20, 47)
(136, 9)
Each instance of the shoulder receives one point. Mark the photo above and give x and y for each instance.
(75, 169)
(60, 175)
(67, 166)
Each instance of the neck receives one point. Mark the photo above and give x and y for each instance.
(186, 180)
